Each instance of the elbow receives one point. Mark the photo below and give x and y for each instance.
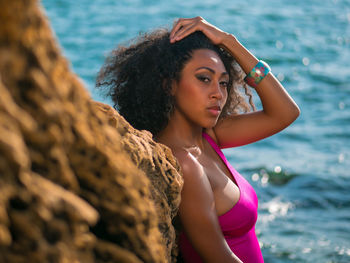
(292, 115)
(296, 112)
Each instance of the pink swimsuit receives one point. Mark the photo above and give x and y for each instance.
(237, 224)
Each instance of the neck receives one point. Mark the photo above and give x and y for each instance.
(181, 133)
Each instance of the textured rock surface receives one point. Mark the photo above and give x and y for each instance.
(161, 168)
(77, 182)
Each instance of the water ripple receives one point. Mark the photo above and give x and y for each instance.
(301, 174)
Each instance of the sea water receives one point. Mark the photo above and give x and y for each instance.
(302, 174)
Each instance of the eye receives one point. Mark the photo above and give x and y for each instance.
(224, 84)
(204, 79)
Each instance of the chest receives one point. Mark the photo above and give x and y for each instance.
(226, 192)
(216, 170)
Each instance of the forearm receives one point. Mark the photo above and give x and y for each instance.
(275, 100)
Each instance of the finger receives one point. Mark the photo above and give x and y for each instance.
(176, 21)
(182, 29)
(184, 32)
(178, 24)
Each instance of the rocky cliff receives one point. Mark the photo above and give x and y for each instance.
(77, 182)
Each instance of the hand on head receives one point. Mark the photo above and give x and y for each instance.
(186, 26)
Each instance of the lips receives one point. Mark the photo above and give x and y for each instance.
(217, 108)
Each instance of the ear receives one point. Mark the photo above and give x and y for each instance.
(173, 84)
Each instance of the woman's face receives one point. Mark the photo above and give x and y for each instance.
(201, 92)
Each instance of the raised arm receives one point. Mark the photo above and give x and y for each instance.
(198, 214)
(279, 109)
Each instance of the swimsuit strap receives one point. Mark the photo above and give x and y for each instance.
(222, 156)
(215, 146)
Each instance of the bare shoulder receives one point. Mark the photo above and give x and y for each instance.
(196, 182)
(189, 165)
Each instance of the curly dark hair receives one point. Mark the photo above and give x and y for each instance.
(139, 77)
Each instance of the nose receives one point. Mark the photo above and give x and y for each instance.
(217, 92)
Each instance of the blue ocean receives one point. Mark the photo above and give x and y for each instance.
(302, 174)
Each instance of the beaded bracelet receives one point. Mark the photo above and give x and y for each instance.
(257, 74)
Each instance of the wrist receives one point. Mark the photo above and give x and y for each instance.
(242, 55)
(229, 41)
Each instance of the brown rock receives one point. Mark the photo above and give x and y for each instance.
(161, 168)
(77, 182)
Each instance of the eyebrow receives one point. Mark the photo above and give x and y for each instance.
(211, 70)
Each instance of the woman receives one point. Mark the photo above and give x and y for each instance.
(183, 86)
